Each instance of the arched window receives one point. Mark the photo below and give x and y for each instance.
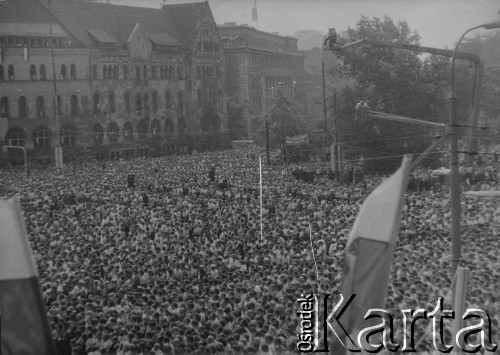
(137, 73)
(215, 123)
(72, 72)
(22, 105)
(16, 136)
(97, 104)
(204, 123)
(128, 132)
(169, 126)
(170, 71)
(104, 72)
(146, 102)
(138, 103)
(155, 101)
(153, 72)
(125, 71)
(200, 98)
(68, 136)
(126, 99)
(180, 101)
(4, 107)
(162, 72)
(112, 104)
(32, 72)
(58, 106)
(94, 71)
(42, 137)
(43, 72)
(11, 73)
(64, 72)
(73, 103)
(2, 73)
(181, 125)
(110, 72)
(142, 129)
(113, 132)
(115, 71)
(168, 100)
(98, 136)
(40, 107)
(155, 128)
(145, 71)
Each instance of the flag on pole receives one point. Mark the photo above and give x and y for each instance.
(254, 11)
(24, 325)
(370, 248)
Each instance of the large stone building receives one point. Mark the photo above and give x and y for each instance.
(257, 65)
(128, 80)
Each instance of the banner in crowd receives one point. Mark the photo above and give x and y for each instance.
(298, 140)
(370, 248)
(25, 328)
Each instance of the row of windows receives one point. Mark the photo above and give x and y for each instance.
(38, 73)
(141, 101)
(24, 109)
(108, 72)
(16, 41)
(111, 71)
(274, 60)
(203, 71)
(42, 135)
(207, 46)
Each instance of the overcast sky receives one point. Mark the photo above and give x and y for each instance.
(439, 22)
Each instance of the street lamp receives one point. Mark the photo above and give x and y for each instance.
(456, 210)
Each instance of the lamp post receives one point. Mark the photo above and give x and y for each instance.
(455, 186)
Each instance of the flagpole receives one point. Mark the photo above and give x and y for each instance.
(261, 227)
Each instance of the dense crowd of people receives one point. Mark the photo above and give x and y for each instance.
(180, 264)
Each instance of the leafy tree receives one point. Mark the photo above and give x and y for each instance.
(284, 120)
(394, 81)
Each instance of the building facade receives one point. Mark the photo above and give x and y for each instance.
(115, 81)
(257, 65)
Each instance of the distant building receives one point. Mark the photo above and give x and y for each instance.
(129, 80)
(308, 39)
(258, 64)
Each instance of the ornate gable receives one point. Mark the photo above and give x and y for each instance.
(139, 44)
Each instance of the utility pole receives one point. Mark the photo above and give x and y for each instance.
(324, 103)
(337, 140)
(57, 149)
(267, 143)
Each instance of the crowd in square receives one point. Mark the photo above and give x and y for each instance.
(178, 264)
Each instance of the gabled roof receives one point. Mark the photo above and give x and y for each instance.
(88, 21)
(186, 18)
(25, 11)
